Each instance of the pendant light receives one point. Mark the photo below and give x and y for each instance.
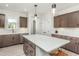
(35, 15)
(53, 8)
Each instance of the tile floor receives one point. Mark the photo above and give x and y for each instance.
(17, 50)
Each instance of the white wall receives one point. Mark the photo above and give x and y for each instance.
(48, 26)
(12, 15)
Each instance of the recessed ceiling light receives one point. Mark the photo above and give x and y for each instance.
(6, 5)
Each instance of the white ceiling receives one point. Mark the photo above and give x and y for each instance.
(42, 7)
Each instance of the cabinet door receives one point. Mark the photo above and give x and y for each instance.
(57, 21)
(1, 41)
(15, 38)
(76, 19)
(7, 40)
(64, 20)
(73, 45)
(2, 20)
(21, 39)
(71, 20)
(28, 50)
(60, 21)
(23, 22)
(76, 46)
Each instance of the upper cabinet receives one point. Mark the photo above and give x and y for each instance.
(60, 21)
(23, 22)
(2, 20)
(68, 20)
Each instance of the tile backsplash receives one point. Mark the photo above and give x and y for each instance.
(19, 30)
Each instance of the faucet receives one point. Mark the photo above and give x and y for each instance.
(12, 30)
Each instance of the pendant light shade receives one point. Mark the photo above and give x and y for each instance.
(35, 15)
(53, 8)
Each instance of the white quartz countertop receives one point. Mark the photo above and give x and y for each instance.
(46, 43)
(72, 35)
(10, 33)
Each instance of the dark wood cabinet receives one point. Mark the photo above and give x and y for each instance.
(12, 39)
(2, 20)
(22, 38)
(72, 19)
(1, 41)
(73, 45)
(57, 22)
(68, 20)
(15, 38)
(29, 48)
(23, 22)
(8, 40)
(60, 21)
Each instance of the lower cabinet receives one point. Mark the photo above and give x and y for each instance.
(29, 48)
(73, 45)
(16, 39)
(22, 38)
(8, 40)
(11, 39)
(1, 41)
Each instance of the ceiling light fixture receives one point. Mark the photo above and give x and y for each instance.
(35, 15)
(53, 8)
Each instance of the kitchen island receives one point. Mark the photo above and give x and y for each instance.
(41, 45)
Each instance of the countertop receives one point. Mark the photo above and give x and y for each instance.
(46, 43)
(72, 35)
(12, 33)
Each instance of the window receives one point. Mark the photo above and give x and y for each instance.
(12, 23)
